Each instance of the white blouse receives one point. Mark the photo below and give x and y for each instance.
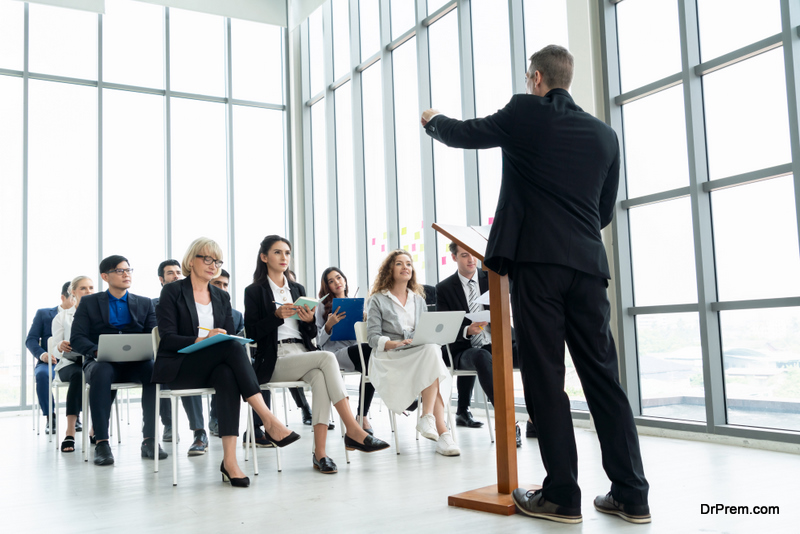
(290, 329)
(205, 316)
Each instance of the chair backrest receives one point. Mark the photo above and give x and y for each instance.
(361, 331)
(156, 341)
(249, 347)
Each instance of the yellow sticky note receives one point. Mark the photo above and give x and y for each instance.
(423, 265)
(422, 247)
(405, 247)
(416, 257)
(404, 231)
(416, 236)
(384, 235)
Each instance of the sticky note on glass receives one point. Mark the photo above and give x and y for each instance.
(404, 231)
(422, 247)
(491, 220)
(416, 257)
(373, 240)
(423, 265)
(384, 235)
(414, 246)
(405, 247)
(383, 248)
(444, 260)
(416, 236)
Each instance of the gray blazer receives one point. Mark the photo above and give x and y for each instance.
(384, 321)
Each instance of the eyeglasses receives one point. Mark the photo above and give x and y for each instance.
(208, 260)
(120, 271)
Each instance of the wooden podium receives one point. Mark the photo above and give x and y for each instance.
(497, 497)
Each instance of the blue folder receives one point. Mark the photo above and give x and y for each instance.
(213, 340)
(345, 330)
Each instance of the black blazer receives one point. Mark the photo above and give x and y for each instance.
(91, 320)
(450, 297)
(178, 324)
(560, 177)
(261, 325)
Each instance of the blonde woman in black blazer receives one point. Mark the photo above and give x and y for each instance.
(189, 311)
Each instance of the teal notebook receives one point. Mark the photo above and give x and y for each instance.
(213, 340)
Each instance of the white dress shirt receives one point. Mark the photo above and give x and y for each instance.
(290, 329)
(465, 286)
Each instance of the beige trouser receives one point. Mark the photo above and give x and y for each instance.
(320, 369)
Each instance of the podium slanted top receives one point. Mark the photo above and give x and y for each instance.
(472, 238)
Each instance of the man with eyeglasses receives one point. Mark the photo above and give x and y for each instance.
(115, 311)
(170, 271)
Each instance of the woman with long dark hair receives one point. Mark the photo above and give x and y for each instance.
(334, 284)
(395, 304)
(285, 351)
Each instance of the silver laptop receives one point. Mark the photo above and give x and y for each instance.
(440, 328)
(125, 348)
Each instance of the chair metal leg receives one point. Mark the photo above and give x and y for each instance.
(394, 427)
(285, 407)
(346, 452)
(252, 438)
(54, 428)
(157, 425)
(174, 405)
(87, 417)
(119, 430)
(488, 417)
(128, 402)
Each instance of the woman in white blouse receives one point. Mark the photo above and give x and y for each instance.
(334, 285)
(67, 369)
(400, 374)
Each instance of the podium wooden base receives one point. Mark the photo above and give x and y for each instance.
(487, 500)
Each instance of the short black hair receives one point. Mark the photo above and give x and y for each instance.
(110, 263)
(164, 264)
(65, 289)
(453, 248)
(223, 272)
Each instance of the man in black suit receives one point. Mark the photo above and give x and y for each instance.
(472, 349)
(115, 311)
(559, 188)
(170, 271)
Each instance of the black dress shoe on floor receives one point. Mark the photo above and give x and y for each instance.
(288, 440)
(325, 465)
(102, 454)
(533, 503)
(519, 436)
(47, 427)
(369, 431)
(465, 419)
(262, 441)
(530, 430)
(78, 426)
(371, 444)
(306, 415)
(200, 443)
(148, 450)
(235, 482)
(629, 512)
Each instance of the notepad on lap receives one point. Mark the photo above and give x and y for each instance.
(353, 309)
(213, 340)
(306, 301)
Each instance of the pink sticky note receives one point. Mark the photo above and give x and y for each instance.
(383, 248)
(413, 246)
(491, 220)
(373, 240)
(444, 260)
(422, 224)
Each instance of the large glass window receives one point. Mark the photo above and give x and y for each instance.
(133, 43)
(409, 172)
(12, 34)
(317, 59)
(370, 17)
(348, 245)
(374, 169)
(403, 17)
(491, 51)
(133, 175)
(448, 163)
(256, 51)
(726, 25)
(545, 23)
(320, 192)
(341, 38)
(197, 49)
(199, 206)
(63, 42)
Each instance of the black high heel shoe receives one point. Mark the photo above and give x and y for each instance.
(288, 440)
(235, 482)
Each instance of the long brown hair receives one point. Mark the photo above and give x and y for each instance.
(385, 281)
(261, 274)
(324, 289)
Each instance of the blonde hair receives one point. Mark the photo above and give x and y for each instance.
(385, 280)
(75, 281)
(198, 246)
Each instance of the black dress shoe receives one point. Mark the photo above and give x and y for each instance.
(331, 425)
(148, 450)
(235, 482)
(288, 440)
(325, 465)
(102, 454)
(371, 444)
(200, 443)
(533, 504)
(629, 512)
(47, 426)
(306, 415)
(78, 426)
(369, 431)
(519, 436)
(262, 441)
(530, 430)
(465, 419)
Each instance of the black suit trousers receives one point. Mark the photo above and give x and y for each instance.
(100, 376)
(553, 304)
(225, 367)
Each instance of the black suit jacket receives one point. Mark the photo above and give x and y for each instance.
(560, 177)
(178, 324)
(261, 325)
(450, 297)
(91, 320)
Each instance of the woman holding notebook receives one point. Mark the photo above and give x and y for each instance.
(188, 312)
(283, 332)
(400, 374)
(334, 286)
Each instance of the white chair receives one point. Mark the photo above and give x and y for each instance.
(456, 373)
(54, 386)
(173, 395)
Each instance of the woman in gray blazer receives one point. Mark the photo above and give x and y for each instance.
(398, 373)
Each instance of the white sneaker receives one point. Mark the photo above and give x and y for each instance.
(427, 427)
(446, 446)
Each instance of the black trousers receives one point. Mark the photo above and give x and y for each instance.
(553, 304)
(479, 360)
(73, 375)
(100, 376)
(225, 367)
(193, 406)
(369, 389)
